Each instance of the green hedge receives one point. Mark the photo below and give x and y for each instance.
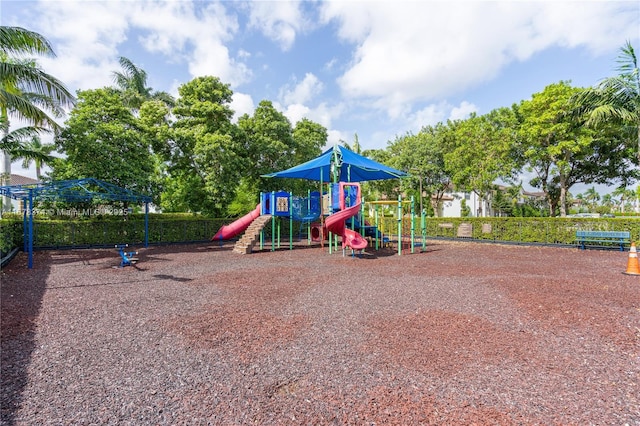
(530, 230)
(163, 229)
(180, 228)
(10, 235)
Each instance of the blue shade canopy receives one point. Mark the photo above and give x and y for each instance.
(79, 190)
(353, 168)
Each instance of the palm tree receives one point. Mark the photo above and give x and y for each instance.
(607, 201)
(580, 200)
(26, 91)
(35, 152)
(132, 84)
(616, 99)
(627, 196)
(592, 197)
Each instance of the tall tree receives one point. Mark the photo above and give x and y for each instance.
(103, 139)
(592, 197)
(27, 92)
(616, 99)
(355, 147)
(481, 150)
(35, 152)
(270, 145)
(562, 151)
(422, 156)
(132, 84)
(309, 138)
(203, 149)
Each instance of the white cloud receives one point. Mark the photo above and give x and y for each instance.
(89, 37)
(177, 29)
(429, 115)
(241, 104)
(463, 111)
(412, 51)
(85, 38)
(302, 92)
(279, 20)
(296, 112)
(335, 136)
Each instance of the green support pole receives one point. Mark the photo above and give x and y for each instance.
(424, 230)
(413, 227)
(273, 221)
(279, 231)
(330, 209)
(399, 225)
(377, 228)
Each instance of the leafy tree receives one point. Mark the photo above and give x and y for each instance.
(562, 151)
(309, 138)
(102, 139)
(616, 99)
(607, 203)
(507, 201)
(481, 150)
(422, 156)
(204, 151)
(377, 189)
(270, 146)
(356, 147)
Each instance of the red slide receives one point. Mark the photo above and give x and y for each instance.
(336, 224)
(231, 230)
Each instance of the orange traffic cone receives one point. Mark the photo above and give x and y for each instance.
(632, 264)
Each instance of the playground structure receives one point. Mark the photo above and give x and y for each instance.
(340, 218)
(340, 210)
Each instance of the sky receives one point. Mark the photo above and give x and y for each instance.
(375, 69)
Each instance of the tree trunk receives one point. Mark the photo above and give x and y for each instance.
(5, 174)
(563, 196)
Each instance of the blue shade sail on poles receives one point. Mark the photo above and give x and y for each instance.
(352, 167)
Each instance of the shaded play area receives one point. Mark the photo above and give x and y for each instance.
(335, 214)
(200, 335)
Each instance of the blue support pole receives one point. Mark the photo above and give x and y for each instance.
(24, 226)
(30, 230)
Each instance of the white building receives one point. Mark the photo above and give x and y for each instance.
(452, 204)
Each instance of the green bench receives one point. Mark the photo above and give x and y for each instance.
(603, 237)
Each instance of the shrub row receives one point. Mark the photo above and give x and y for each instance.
(66, 233)
(165, 229)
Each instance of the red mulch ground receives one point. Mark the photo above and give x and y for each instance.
(464, 333)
